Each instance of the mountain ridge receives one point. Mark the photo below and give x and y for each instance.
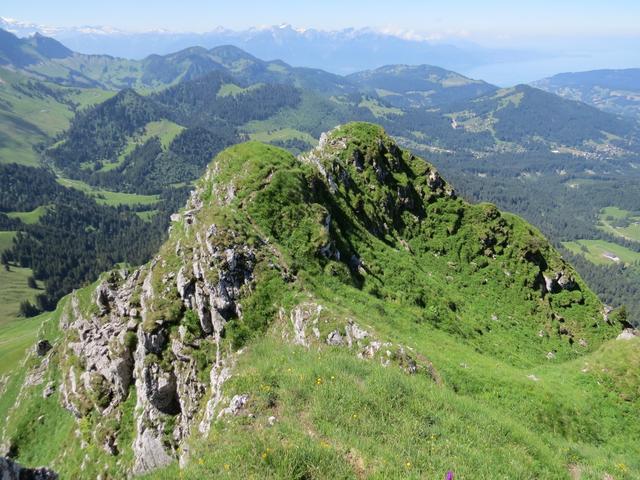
(343, 51)
(355, 260)
(420, 85)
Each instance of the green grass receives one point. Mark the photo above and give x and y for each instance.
(232, 89)
(621, 223)
(14, 290)
(282, 134)
(29, 217)
(87, 97)
(116, 73)
(6, 240)
(16, 334)
(338, 416)
(598, 251)
(147, 215)
(314, 111)
(15, 338)
(377, 109)
(107, 197)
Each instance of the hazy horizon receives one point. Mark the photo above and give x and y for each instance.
(534, 41)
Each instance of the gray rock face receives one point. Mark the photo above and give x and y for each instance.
(10, 470)
(210, 281)
(435, 181)
(559, 281)
(161, 389)
(154, 342)
(103, 351)
(150, 453)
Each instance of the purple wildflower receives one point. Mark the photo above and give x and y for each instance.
(449, 475)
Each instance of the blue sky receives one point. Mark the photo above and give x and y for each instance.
(490, 19)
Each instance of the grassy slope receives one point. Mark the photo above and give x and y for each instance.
(313, 113)
(16, 334)
(107, 197)
(499, 414)
(342, 417)
(110, 71)
(630, 232)
(597, 249)
(6, 240)
(377, 109)
(282, 134)
(27, 120)
(29, 217)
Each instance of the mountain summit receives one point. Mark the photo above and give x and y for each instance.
(338, 315)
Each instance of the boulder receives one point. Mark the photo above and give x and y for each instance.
(236, 405)
(335, 338)
(49, 389)
(42, 347)
(10, 470)
(627, 334)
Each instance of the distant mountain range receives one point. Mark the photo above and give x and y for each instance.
(343, 51)
(449, 109)
(616, 91)
(28, 51)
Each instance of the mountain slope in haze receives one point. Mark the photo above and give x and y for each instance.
(33, 112)
(156, 71)
(615, 91)
(304, 309)
(22, 52)
(420, 86)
